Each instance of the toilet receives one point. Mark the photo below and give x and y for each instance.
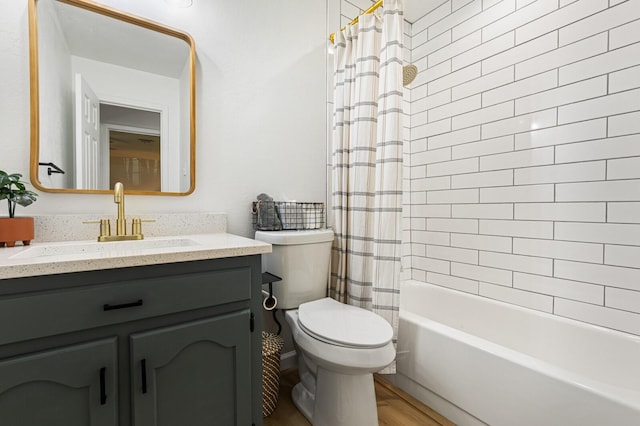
(339, 346)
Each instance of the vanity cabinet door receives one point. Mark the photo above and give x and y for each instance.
(196, 373)
(67, 386)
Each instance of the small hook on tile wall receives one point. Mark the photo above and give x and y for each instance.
(52, 168)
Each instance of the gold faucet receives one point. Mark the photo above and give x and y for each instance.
(118, 198)
(121, 222)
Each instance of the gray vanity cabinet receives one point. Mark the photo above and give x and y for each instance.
(71, 386)
(171, 344)
(202, 375)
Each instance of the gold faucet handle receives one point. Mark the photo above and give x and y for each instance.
(105, 226)
(136, 225)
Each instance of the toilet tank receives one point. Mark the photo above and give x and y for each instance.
(301, 259)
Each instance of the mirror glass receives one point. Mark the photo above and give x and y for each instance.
(112, 100)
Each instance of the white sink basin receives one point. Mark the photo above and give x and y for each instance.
(106, 249)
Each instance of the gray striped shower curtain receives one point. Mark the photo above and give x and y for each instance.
(367, 163)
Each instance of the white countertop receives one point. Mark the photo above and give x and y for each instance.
(75, 256)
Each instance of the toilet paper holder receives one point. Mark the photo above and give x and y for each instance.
(269, 303)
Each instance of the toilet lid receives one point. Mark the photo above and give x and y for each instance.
(336, 323)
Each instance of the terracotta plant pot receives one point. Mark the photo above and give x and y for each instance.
(14, 229)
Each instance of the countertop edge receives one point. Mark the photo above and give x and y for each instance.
(211, 246)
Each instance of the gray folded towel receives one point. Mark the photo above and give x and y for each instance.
(268, 218)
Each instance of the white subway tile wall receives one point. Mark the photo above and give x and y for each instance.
(522, 141)
(542, 175)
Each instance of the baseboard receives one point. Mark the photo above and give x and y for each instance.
(288, 360)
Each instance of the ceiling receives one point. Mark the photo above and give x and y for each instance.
(416, 9)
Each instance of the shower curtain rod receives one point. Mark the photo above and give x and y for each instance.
(373, 7)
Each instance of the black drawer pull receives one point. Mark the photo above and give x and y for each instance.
(108, 307)
(143, 368)
(103, 386)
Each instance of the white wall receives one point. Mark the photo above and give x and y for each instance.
(261, 96)
(525, 155)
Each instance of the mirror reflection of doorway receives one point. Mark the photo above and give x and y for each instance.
(133, 152)
(134, 160)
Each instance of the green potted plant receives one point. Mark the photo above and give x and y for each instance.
(13, 228)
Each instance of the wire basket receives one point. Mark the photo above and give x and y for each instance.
(287, 215)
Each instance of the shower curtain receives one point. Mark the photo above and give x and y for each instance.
(367, 163)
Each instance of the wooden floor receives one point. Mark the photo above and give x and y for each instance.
(395, 407)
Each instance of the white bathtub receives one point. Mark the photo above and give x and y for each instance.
(504, 365)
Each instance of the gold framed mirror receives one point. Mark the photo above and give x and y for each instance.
(112, 99)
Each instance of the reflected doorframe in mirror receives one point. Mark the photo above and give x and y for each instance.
(35, 100)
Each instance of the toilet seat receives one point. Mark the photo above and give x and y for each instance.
(343, 325)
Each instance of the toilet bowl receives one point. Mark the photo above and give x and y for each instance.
(339, 346)
(336, 370)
